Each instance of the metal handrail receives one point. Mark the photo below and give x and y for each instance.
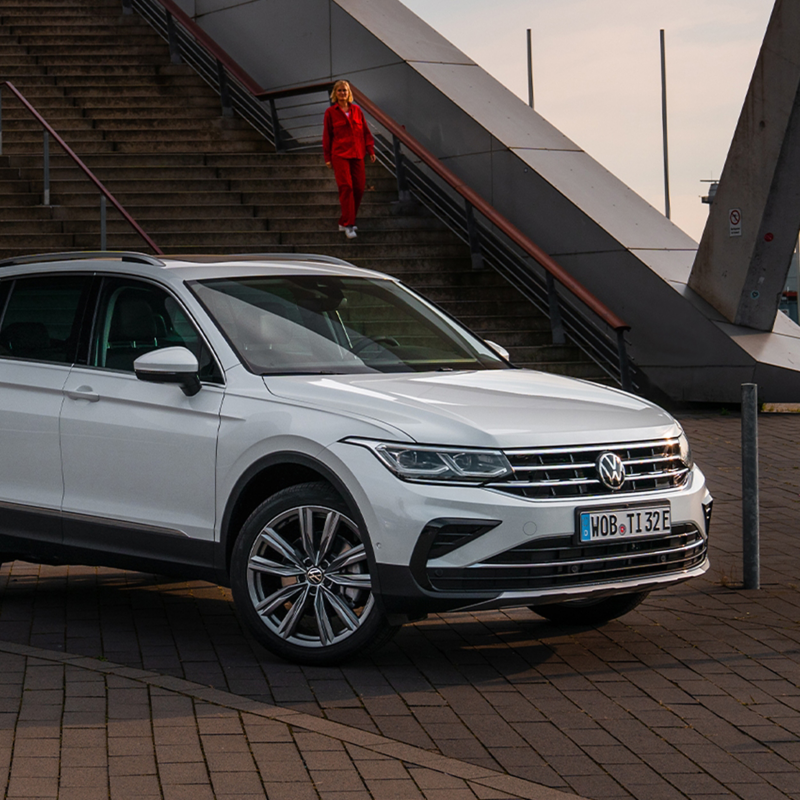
(50, 131)
(239, 91)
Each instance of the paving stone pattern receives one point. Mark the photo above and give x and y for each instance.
(696, 694)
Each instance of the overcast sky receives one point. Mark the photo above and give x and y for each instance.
(597, 77)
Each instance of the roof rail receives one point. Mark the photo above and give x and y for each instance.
(75, 255)
(209, 257)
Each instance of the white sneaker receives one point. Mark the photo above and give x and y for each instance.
(350, 233)
(343, 229)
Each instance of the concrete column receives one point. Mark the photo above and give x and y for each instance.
(744, 255)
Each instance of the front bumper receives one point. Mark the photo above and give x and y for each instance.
(520, 552)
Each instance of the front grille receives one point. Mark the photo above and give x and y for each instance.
(559, 562)
(548, 473)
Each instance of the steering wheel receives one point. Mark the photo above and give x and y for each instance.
(367, 342)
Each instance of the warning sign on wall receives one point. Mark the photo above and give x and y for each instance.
(735, 220)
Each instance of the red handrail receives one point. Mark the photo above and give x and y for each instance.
(488, 211)
(89, 174)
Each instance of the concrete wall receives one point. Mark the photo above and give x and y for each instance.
(624, 250)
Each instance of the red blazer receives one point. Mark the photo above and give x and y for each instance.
(346, 137)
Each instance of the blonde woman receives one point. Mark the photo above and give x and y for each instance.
(346, 141)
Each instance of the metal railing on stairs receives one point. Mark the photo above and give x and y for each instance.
(295, 124)
(47, 132)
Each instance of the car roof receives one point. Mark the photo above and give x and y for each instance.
(185, 267)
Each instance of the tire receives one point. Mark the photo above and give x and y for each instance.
(300, 579)
(590, 612)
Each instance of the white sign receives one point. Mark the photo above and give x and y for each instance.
(735, 220)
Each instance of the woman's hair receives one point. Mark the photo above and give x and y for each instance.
(336, 86)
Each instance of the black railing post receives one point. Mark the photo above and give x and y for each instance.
(556, 323)
(1, 120)
(474, 239)
(46, 154)
(403, 193)
(103, 238)
(624, 366)
(172, 38)
(276, 126)
(127, 7)
(224, 90)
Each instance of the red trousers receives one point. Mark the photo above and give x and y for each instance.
(351, 178)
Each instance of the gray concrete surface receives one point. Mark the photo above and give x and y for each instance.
(118, 684)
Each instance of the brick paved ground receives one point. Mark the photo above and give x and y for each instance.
(695, 694)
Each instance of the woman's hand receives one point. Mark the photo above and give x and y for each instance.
(328, 164)
(372, 158)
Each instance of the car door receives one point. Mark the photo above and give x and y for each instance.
(139, 458)
(39, 329)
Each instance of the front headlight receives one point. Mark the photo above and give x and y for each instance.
(422, 463)
(685, 450)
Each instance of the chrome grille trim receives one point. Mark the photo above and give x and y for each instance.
(553, 473)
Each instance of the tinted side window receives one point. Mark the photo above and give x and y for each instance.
(136, 317)
(42, 319)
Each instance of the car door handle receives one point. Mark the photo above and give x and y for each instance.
(83, 393)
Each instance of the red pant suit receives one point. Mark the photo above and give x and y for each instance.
(345, 143)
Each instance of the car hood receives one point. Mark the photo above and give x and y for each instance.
(487, 408)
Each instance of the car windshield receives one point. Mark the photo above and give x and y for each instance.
(312, 324)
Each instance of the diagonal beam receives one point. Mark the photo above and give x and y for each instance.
(743, 259)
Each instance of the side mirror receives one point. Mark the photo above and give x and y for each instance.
(499, 349)
(170, 365)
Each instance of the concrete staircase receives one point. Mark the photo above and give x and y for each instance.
(198, 182)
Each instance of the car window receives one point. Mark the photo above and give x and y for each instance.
(134, 318)
(323, 324)
(41, 320)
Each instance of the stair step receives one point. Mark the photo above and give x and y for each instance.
(72, 51)
(159, 228)
(188, 214)
(415, 238)
(98, 161)
(330, 210)
(166, 199)
(156, 187)
(310, 198)
(264, 159)
(160, 81)
(209, 242)
(35, 243)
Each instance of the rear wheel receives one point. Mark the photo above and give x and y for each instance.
(590, 612)
(300, 578)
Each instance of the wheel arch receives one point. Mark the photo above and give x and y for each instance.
(269, 475)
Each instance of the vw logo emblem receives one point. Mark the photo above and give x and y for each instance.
(610, 470)
(315, 575)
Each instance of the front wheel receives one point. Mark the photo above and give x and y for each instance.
(590, 612)
(300, 578)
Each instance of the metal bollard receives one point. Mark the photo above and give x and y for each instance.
(751, 556)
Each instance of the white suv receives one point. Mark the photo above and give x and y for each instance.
(327, 443)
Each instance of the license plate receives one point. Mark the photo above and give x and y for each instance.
(621, 523)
